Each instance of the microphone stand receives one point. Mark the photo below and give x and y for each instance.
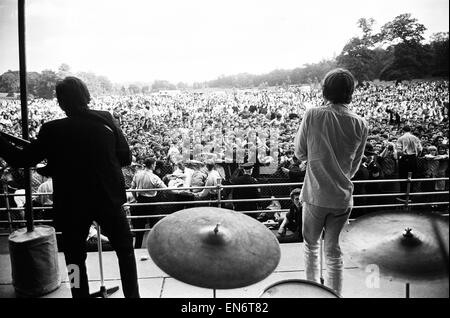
(322, 236)
(103, 292)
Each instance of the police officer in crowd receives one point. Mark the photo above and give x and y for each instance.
(246, 192)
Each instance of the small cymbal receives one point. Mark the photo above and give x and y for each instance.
(213, 248)
(410, 246)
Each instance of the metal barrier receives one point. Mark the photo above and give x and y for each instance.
(219, 201)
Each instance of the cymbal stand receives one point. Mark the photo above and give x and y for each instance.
(322, 281)
(103, 292)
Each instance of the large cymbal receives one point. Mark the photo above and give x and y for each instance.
(407, 246)
(213, 248)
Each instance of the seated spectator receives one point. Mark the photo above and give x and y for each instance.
(293, 219)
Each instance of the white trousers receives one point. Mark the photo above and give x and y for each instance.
(316, 219)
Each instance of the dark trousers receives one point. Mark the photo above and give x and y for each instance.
(141, 222)
(407, 163)
(113, 222)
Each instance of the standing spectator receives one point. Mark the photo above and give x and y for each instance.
(44, 200)
(247, 192)
(145, 179)
(213, 179)
(442, 170)
(388, 160)
(408, 147)
(360, 188)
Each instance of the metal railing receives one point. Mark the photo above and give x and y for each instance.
(219, 201)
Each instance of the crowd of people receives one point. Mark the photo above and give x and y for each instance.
(198, 138)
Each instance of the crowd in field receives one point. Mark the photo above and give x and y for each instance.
(202, 137)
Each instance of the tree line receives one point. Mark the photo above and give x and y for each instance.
(396, 52)
(42, 85)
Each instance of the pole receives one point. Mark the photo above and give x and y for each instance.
(103, 292)
(219, 192)
(24, 111)
(5, 192)
(322, 281)
(408, 191)
(100, 260)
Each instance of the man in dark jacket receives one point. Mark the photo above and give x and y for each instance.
(247, 192)
(85, 152)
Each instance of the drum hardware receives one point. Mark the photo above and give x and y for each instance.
(405, 246)
(103, 292)
(213, 248)
(298, 288)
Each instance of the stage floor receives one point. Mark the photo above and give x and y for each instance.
(154, 283)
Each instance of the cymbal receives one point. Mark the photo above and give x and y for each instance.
(213, 248)
(405, 246)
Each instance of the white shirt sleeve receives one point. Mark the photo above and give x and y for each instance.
(359, 153)
(300, 141)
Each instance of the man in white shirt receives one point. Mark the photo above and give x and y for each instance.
(332, 140)
(145, 179)
(184, 173)
(409, 147)
(213, 179)
(46, 187)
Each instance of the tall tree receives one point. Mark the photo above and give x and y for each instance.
(366, 25)
(357, 58)
(409, 59)
(358, 55)
(9, 82)
(440, 51)
(403, 28)
(33, 79)
(46, 86)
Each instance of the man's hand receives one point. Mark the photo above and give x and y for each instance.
(282, 231)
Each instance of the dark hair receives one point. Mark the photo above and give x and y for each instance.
(338, 86)
(406, 128)
(289, 152)
(294, 192)
(72, 94)
(148, 163)
(442, 146)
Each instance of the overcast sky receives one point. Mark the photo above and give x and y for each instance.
(194, 40)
